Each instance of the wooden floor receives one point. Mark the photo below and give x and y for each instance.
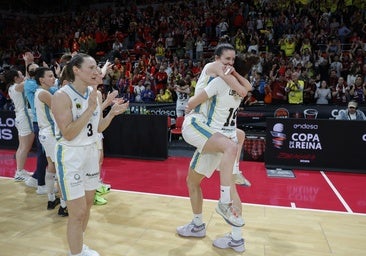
(136, 224)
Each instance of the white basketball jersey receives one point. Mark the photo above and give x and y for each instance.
(222, 106)
(20, 102)
(202, 82)
(182, 99)
(45, 117)
(89, 134)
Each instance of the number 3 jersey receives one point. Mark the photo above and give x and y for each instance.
(89, 133)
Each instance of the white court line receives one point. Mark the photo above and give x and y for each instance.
(212, 200)
(340, 198)
(251, 204)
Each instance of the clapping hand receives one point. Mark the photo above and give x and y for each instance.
(119, 106)
(111, 96)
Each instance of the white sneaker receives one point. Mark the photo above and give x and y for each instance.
(21, 175)
(31, 182)
(241, 180)
(228, 242)
(230, 214)
(42, 190)
(89, 252)
(191, 230)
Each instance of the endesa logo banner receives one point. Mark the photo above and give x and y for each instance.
(316, 144)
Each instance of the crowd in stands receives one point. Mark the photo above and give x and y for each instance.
(311, 52)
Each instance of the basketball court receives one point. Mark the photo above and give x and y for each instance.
(307, 213)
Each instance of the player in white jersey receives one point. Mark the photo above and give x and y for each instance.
(182, 90)
(220, 116)
(42, 101)
(23, 121)
(221, 68)
(197, 133)
(111, 96)
(79, 119)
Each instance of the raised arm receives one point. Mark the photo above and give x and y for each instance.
(226, 73)
(196, 100)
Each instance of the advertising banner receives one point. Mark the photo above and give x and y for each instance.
(315, 144)
(256, 116)
(8, 131)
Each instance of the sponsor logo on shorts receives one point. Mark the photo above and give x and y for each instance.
(92, 174)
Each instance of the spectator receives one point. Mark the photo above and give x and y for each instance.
(358, 90)
(199, 48)
(351, 113)
(333, 78)
(288, 45)
(138, 89)
(322, 94)
(222, 28)
(117, 45)
(258, 83)
(159, 52)
(161, 79)
(189, 45)
(239, 42)
(295, 88)
(253, 46)
(336, 65)
(278, 85)
(310, 86)
(334, 47)
(340, 92)
(249, 100)
(164, 96)
(148, 95)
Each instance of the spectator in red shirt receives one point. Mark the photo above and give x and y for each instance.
(161, 80)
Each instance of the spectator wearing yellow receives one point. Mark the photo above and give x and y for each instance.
(295, 89)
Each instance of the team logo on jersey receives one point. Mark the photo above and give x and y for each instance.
(77, 177)
(233, 93)
(78, 105)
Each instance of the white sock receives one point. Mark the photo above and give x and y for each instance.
(62, 203)
(236, 233)
(225, 194)
(236, 168)
(197, 219)
(50, 182)
(51, 197)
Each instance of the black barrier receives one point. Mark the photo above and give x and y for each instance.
(8, 131)
(168, 109)
(255, 116)
(315, 144)
(137, 136)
